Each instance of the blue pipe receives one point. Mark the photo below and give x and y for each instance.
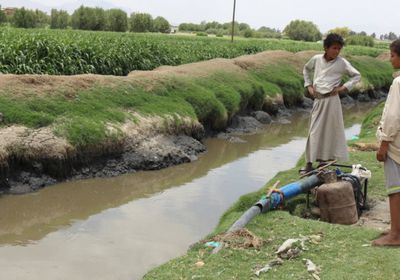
(276, 199)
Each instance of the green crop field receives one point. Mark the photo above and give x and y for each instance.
(70, 52)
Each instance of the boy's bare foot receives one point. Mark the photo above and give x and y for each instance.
(387, 240)
(385, 232)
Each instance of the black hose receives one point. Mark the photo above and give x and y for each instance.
(346, 166)
(360, 197)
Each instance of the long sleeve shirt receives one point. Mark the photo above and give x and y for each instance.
(389, 126)
(328, 74)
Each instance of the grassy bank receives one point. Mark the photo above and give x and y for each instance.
(210, 92)
(342, 253)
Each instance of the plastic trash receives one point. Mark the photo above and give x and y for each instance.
(286, 245)
(361, 172)
(290, 243)
(311, 267)
(277, 261)
(213, 244)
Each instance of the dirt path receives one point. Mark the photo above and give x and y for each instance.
(377, 217)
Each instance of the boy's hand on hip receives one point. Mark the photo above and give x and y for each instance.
(339, 90)
(381, 154)
(311, 91)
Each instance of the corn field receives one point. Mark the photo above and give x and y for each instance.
(70, 52)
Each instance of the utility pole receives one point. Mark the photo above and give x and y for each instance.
(233, 19)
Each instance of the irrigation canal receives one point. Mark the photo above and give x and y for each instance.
(120, 228)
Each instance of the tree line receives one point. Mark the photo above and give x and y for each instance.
(220, 29)
(298, 30)
(390, 36)
(87, 18)
(98, 19)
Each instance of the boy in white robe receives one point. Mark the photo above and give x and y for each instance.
(326, 139)
(389, 152)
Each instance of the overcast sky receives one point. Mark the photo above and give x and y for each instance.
(359, 15)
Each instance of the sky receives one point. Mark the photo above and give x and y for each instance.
(359, 15)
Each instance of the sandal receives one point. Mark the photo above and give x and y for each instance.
(303, 171)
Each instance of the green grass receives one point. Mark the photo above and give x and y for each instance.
(83, 120)
(375, 74)
(340, 254)
(343, 253)
(282, 78)
(370, 123)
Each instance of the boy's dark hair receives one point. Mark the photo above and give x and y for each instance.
(395, 46)
(333, 38)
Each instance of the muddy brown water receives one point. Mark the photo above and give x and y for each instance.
(120, 228)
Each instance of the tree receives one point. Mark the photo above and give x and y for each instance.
(98, 18)
(24, 18)
(78, 19)
(213, 25)
(117, 20)
(248, 33)
(244, 26)
(42, 19)
(191, 27)
(392, 36)
(162, 25)
(228, 26)
(342, 31)
(302, 30)
(373, 35)
(266, 32)
(140, 22)
(59, 19)
(86, 18)
(3, 17)
(360, 40)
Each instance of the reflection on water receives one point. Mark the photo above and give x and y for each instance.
(119, 228)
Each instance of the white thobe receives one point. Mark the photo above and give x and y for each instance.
(326, 139)
(389, 127)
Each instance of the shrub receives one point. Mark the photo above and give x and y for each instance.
(302, 30)
(342, 31)
(248, 33)
(202, 34)
(212, 31)
(360, 40)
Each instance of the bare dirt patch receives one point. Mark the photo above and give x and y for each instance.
(150, 79)
(22, 142)
(268, 58)
(22, 85)
(378, 217)
(242, 238)
(306, 55)
(365, 147)
(385, 56)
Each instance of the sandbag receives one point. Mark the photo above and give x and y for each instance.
(337, 204)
